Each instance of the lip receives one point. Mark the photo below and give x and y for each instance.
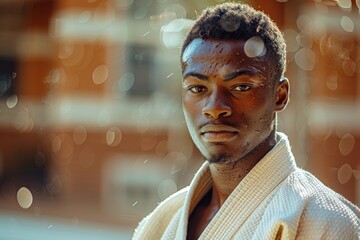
(218, 133)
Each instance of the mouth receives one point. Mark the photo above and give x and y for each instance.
(218, 133)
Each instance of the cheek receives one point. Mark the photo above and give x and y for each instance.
(262, 111)
(253, 106)
(190, 111)
(190, 123)
(186, 106)
(191, 107)
(263, 120)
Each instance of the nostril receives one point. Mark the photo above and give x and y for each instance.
(225, 113)
(206, 113)
(216, 113)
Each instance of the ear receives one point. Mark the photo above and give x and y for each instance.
(282, 94)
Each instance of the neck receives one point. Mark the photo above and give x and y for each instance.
(227, 176)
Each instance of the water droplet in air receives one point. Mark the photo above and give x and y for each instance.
(332, 81)
(179, 162)
(12, 101)
(100, 74)
(56, 144)
(66, 49)
(305, 23)
(113, 136)
(126, 82)
(24, 197)
(347, 24)
(255, 47)
(346, 4)
(228, 24)
(305, 59)
(346, 144)
(349, 67)
(162, 147)
(344, 173)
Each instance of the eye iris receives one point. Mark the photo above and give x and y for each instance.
(196, 89)
(243, 87)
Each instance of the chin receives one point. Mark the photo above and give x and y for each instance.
(227, 155)
(221, 158)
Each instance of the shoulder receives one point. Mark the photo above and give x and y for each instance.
(316, 195)
(160, 217)
(323, 211)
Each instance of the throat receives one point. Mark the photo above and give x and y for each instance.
(226, 177)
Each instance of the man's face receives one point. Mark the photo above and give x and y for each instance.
(229, 98)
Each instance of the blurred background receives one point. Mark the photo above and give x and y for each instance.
(92, 134)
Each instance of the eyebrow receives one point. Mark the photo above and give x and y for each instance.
(238, 73)
(195, 74)
(226, 77)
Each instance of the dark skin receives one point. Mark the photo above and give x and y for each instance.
(230, 102)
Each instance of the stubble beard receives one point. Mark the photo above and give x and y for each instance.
(224, 157)
(221, 158)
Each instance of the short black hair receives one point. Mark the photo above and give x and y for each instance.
(231, 21)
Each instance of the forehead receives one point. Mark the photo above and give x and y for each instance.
(248, 53)
(199, 46)
(253, 47)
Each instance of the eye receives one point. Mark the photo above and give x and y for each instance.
(196, 89)
(242, 88)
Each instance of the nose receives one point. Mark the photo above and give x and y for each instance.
(217, 106)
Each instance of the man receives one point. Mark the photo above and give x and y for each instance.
(233, 63)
